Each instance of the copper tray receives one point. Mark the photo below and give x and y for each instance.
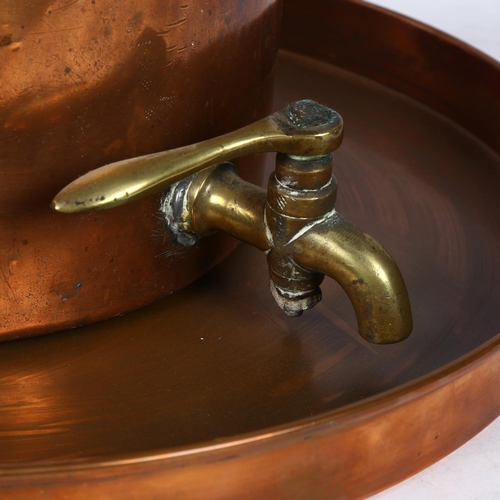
(214, 393)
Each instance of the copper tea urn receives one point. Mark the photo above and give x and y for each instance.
(119, 125)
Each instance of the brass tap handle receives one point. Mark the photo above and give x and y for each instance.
(295, 222)
(304, 128)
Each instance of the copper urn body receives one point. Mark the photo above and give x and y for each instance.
(85, 83)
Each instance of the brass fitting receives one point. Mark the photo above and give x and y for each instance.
(304, 238)
(295, 222)
(301, 192)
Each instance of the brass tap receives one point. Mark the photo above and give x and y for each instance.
(295, 222)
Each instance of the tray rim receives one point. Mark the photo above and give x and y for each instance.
(346, 416)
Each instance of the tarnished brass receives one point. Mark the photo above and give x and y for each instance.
(295, 223)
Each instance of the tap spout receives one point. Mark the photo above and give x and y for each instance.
(365, 271)
(301, 250)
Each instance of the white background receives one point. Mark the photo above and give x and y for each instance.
(473, 471)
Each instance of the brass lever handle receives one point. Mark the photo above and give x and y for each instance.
(304, 128)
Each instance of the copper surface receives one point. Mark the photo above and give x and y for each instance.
(88, 83)
(211, 394)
